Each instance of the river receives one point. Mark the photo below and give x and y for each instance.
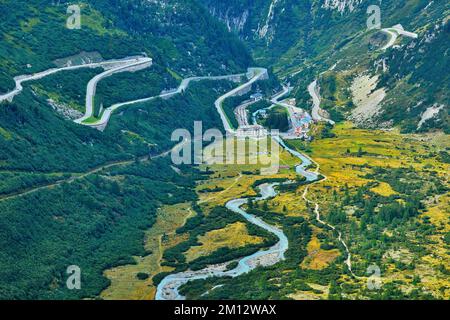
(168, 288)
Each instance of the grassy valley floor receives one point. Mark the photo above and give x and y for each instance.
(389, 196)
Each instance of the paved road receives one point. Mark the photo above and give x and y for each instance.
(241, 113)
(168, 288)
(19, 80)
(392, 38)
(105, 117)
(275, 100)
(257, 74)
(313, 92)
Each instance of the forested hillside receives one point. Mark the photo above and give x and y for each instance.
(72, 195)
(305, 38)
(347, 194)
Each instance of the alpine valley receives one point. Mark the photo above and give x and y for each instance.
(95, 205)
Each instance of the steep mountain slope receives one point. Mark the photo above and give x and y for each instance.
(177, 34)
(417, 81)
(303, 39)
(71, 195)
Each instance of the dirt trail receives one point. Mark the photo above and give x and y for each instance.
(76, 177)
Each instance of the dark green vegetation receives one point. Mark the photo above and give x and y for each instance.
(71, 195)
(142, 276)
(68, 88)
(262, 104)
(199, 225)
(180, 40)
(270, 282)
(158, 119)
(266, 87)
(132, 86)
(336, 97)
(95, 223)
(36, 139)
(277, 119)
(305, 38)
(379, 224)
(230, 104)
(299, 30)
(72, 212)
(18, 181)
(397, 215)
(420, 82)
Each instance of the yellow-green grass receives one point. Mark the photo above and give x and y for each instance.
(432, 280)
(174, 74)
(56, 97)
(318, 258)
(339, 161)
(232, 236)
(5, 134)
(236, 183)
(133, 136)
(290, 204)
(341, 80)
(28, 25)
(124, 282)
(381, 149)
(90, 18)
(439, 215)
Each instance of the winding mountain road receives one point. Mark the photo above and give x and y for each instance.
(19, 80)
(255, 74)
(394, 32)
(275, 100)
(129, 65)
(185, 83)
(168, 287)
(132, 64)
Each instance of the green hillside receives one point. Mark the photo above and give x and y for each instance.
(34, 35)
(306, 38)
(72, 195)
